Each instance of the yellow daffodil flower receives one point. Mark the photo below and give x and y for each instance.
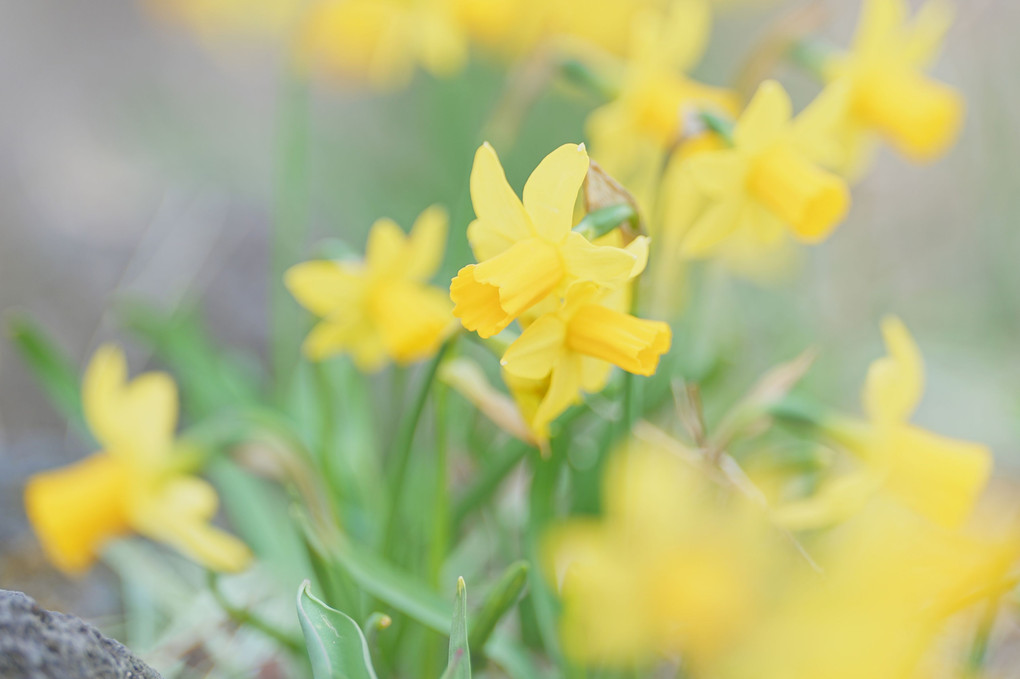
(890, 580)
(936, 476)
(768, 181)
(574, 347)
(669, 569)
(382, 41)
(135, 484)
(527, 251)
(764, 251)
(633, 133)
(890, 96)
(382, 308)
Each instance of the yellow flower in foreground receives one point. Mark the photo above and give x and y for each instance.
(890, 581)
(574, 347)
(382, 41)
(380, 308)
(889, 93)
(527, 251)
(671, 568)
(769, 179)
(134, 484)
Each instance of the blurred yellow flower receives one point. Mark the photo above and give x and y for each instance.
(769, 180)
(381, 308)
(890, 580)
(671, 568)
(763, 251)
(574, 347)
(135, 484)
(937, 476)
(527, 251)
(889, 93)
(382, 41)
(632, 134)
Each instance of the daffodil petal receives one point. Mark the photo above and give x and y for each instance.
(927, 31)
(178, 515)
(717, 173)
(386, 252)
(879, 20)
(427, 243)
(321, 286)
(564, 391)
(895, 383)
(936, 476)
(412, 320)
(551, 191)
(601, 264)
(501, 216)
(534, 354)
(102, 386)
(766, 116)
(715, 224)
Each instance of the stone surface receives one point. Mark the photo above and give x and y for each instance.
(40, 644)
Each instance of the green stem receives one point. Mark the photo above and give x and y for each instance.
(978, 656)
(490, 479)
(579, 73)
(289, 222)
(441, 501)
(244, 617)
(402, 446)
(327, 432)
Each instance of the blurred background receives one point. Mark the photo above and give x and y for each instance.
(139, 162)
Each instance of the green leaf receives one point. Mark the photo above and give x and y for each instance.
(377, 577)
(55, 372)
(336, 646)
(259, 512)
(501, 598)
(460, 653)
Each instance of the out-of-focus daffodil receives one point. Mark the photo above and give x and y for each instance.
(769, 181)
(574, 347)
(137, 483)
(936, 476)
(382, 41)
(763, 251)
(527, 251)
(890, 580)
(633, 133)
(381, 308)
(890, 96)
(671, 568)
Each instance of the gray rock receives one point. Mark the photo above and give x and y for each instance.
(39, 644)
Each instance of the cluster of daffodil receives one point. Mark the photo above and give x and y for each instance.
(861, 577)
(706, 553)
